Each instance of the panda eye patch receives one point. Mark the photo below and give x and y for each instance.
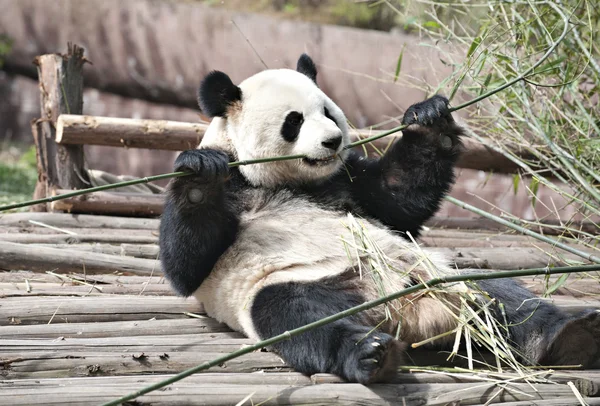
(328, 115)
(291, 126)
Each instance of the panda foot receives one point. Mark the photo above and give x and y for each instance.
(372, 357)
(577, 342)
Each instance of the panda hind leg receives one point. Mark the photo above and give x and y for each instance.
(348, 347)
(542, 333)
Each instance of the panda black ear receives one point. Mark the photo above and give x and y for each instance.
(307, 67)
(216, 93)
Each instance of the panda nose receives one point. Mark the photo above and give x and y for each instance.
(332, 143)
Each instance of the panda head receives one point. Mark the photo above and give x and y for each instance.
(276, 112)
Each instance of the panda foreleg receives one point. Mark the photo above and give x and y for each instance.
(541, 332)
(406, 186)
(199, 221)
(347, 347)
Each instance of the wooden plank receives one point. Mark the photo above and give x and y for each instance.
(212, 342)
(148, 251)
(271, 391)
(32, 288)
(35, 258)
(123, 204)
(74, 364)
(100, 279)
(64, 220)
(94, 309)
(75, 239)
(61, 89)
(548, 227)
(135, 328)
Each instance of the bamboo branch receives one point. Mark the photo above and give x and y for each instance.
(346, 313)
(524, 230)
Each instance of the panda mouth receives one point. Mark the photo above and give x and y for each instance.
(319, 161)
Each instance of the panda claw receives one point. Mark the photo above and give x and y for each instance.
(372, 359)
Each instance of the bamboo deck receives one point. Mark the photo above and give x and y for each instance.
(85, 317)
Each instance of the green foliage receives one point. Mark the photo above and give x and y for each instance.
(553, 115)
(5, 47)
(18, 177)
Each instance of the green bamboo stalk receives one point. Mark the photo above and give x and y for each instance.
(349, 312)
(523, 230)
(479, 98)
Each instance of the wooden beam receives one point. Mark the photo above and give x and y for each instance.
(14, 256)
(128, 133)
(61, 89)
(64, 220)
(94, 309)
(177, 136)
(123, 204)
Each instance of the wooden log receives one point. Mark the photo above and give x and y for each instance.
(32, 288)
(70, 364)
(75, 239)
(178, 136)
(65, 220)
(128, 133)
(61, 89)
(230, 391)
(147, 251)
(123, 204)
(136, 328)
(548, 227)
(100, 279)
(22, 256)
(37, 310)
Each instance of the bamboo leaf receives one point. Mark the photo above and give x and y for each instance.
(557, 284)
(535, 185)
(431, 24)
(399, 63)
(474, 46)
(515, 183)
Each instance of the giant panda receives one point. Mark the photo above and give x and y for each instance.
(271, 247)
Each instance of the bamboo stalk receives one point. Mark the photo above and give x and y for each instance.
(349, 312)
(588, 256)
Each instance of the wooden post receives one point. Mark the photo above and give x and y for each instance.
(61, 91)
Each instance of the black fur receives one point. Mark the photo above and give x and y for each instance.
(306, 66)
(291, 126)
(329, 116)
(217, 93)
(200, 218)
(347, 347)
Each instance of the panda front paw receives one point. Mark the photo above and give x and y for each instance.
(432, 122)
(371, 357)
(429, 112)
(209, 164)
